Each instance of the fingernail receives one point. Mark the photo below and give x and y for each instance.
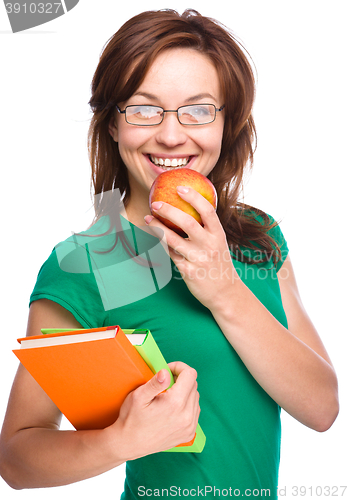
(156, 205)
(148, 219)
(182, 189)
(160, 376)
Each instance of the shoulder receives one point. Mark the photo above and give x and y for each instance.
(67, 277)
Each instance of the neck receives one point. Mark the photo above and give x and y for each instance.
(135, 215)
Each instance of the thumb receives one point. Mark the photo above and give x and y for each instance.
(159, 383)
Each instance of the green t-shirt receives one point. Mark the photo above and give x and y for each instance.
(240, 421)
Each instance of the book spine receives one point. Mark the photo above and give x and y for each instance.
(152, 355)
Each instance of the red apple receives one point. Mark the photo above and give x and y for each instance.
(164, 189)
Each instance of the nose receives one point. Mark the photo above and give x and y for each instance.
(170, 132)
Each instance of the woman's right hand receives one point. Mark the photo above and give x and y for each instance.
(151, 420)
(34, 453)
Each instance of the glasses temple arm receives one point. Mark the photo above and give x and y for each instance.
(119, 110)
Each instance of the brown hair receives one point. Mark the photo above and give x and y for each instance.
(136, 44)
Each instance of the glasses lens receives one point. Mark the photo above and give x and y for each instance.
(144, 115)
(197, 114)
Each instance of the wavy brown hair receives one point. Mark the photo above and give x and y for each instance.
(123, 65)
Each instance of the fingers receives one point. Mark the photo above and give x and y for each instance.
(147, 392)
(185, 396)
(185, 381)
(187, 222)
(184, 375)
(184, 392)
(167, 417)
(177, 367)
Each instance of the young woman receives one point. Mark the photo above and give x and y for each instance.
(173, 91)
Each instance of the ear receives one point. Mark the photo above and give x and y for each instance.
(113, 129)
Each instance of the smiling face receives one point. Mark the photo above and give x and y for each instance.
(178, 77)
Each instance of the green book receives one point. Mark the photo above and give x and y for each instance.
(150, 352)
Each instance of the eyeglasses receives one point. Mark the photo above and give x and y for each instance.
(194, 114)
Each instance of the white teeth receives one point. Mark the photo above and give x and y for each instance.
(167, 162)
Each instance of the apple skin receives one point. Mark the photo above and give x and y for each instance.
(164, 189)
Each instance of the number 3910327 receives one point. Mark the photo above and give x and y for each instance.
(33, 8)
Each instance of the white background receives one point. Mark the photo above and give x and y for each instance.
(300, 52)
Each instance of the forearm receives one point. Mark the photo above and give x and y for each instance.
(293, 374)
(34, 456)
(39, 457)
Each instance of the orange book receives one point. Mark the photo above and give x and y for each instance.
(89, 398)
(88, 373)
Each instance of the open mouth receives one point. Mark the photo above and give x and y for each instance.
(169, 163)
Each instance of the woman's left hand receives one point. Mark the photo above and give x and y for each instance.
(203, 259)
(292, 365)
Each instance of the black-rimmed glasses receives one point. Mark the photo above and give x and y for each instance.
(194, 114)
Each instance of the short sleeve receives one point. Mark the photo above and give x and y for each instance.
(278, 236)
(76, 291)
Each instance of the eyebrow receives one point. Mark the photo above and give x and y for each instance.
(192, 99)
